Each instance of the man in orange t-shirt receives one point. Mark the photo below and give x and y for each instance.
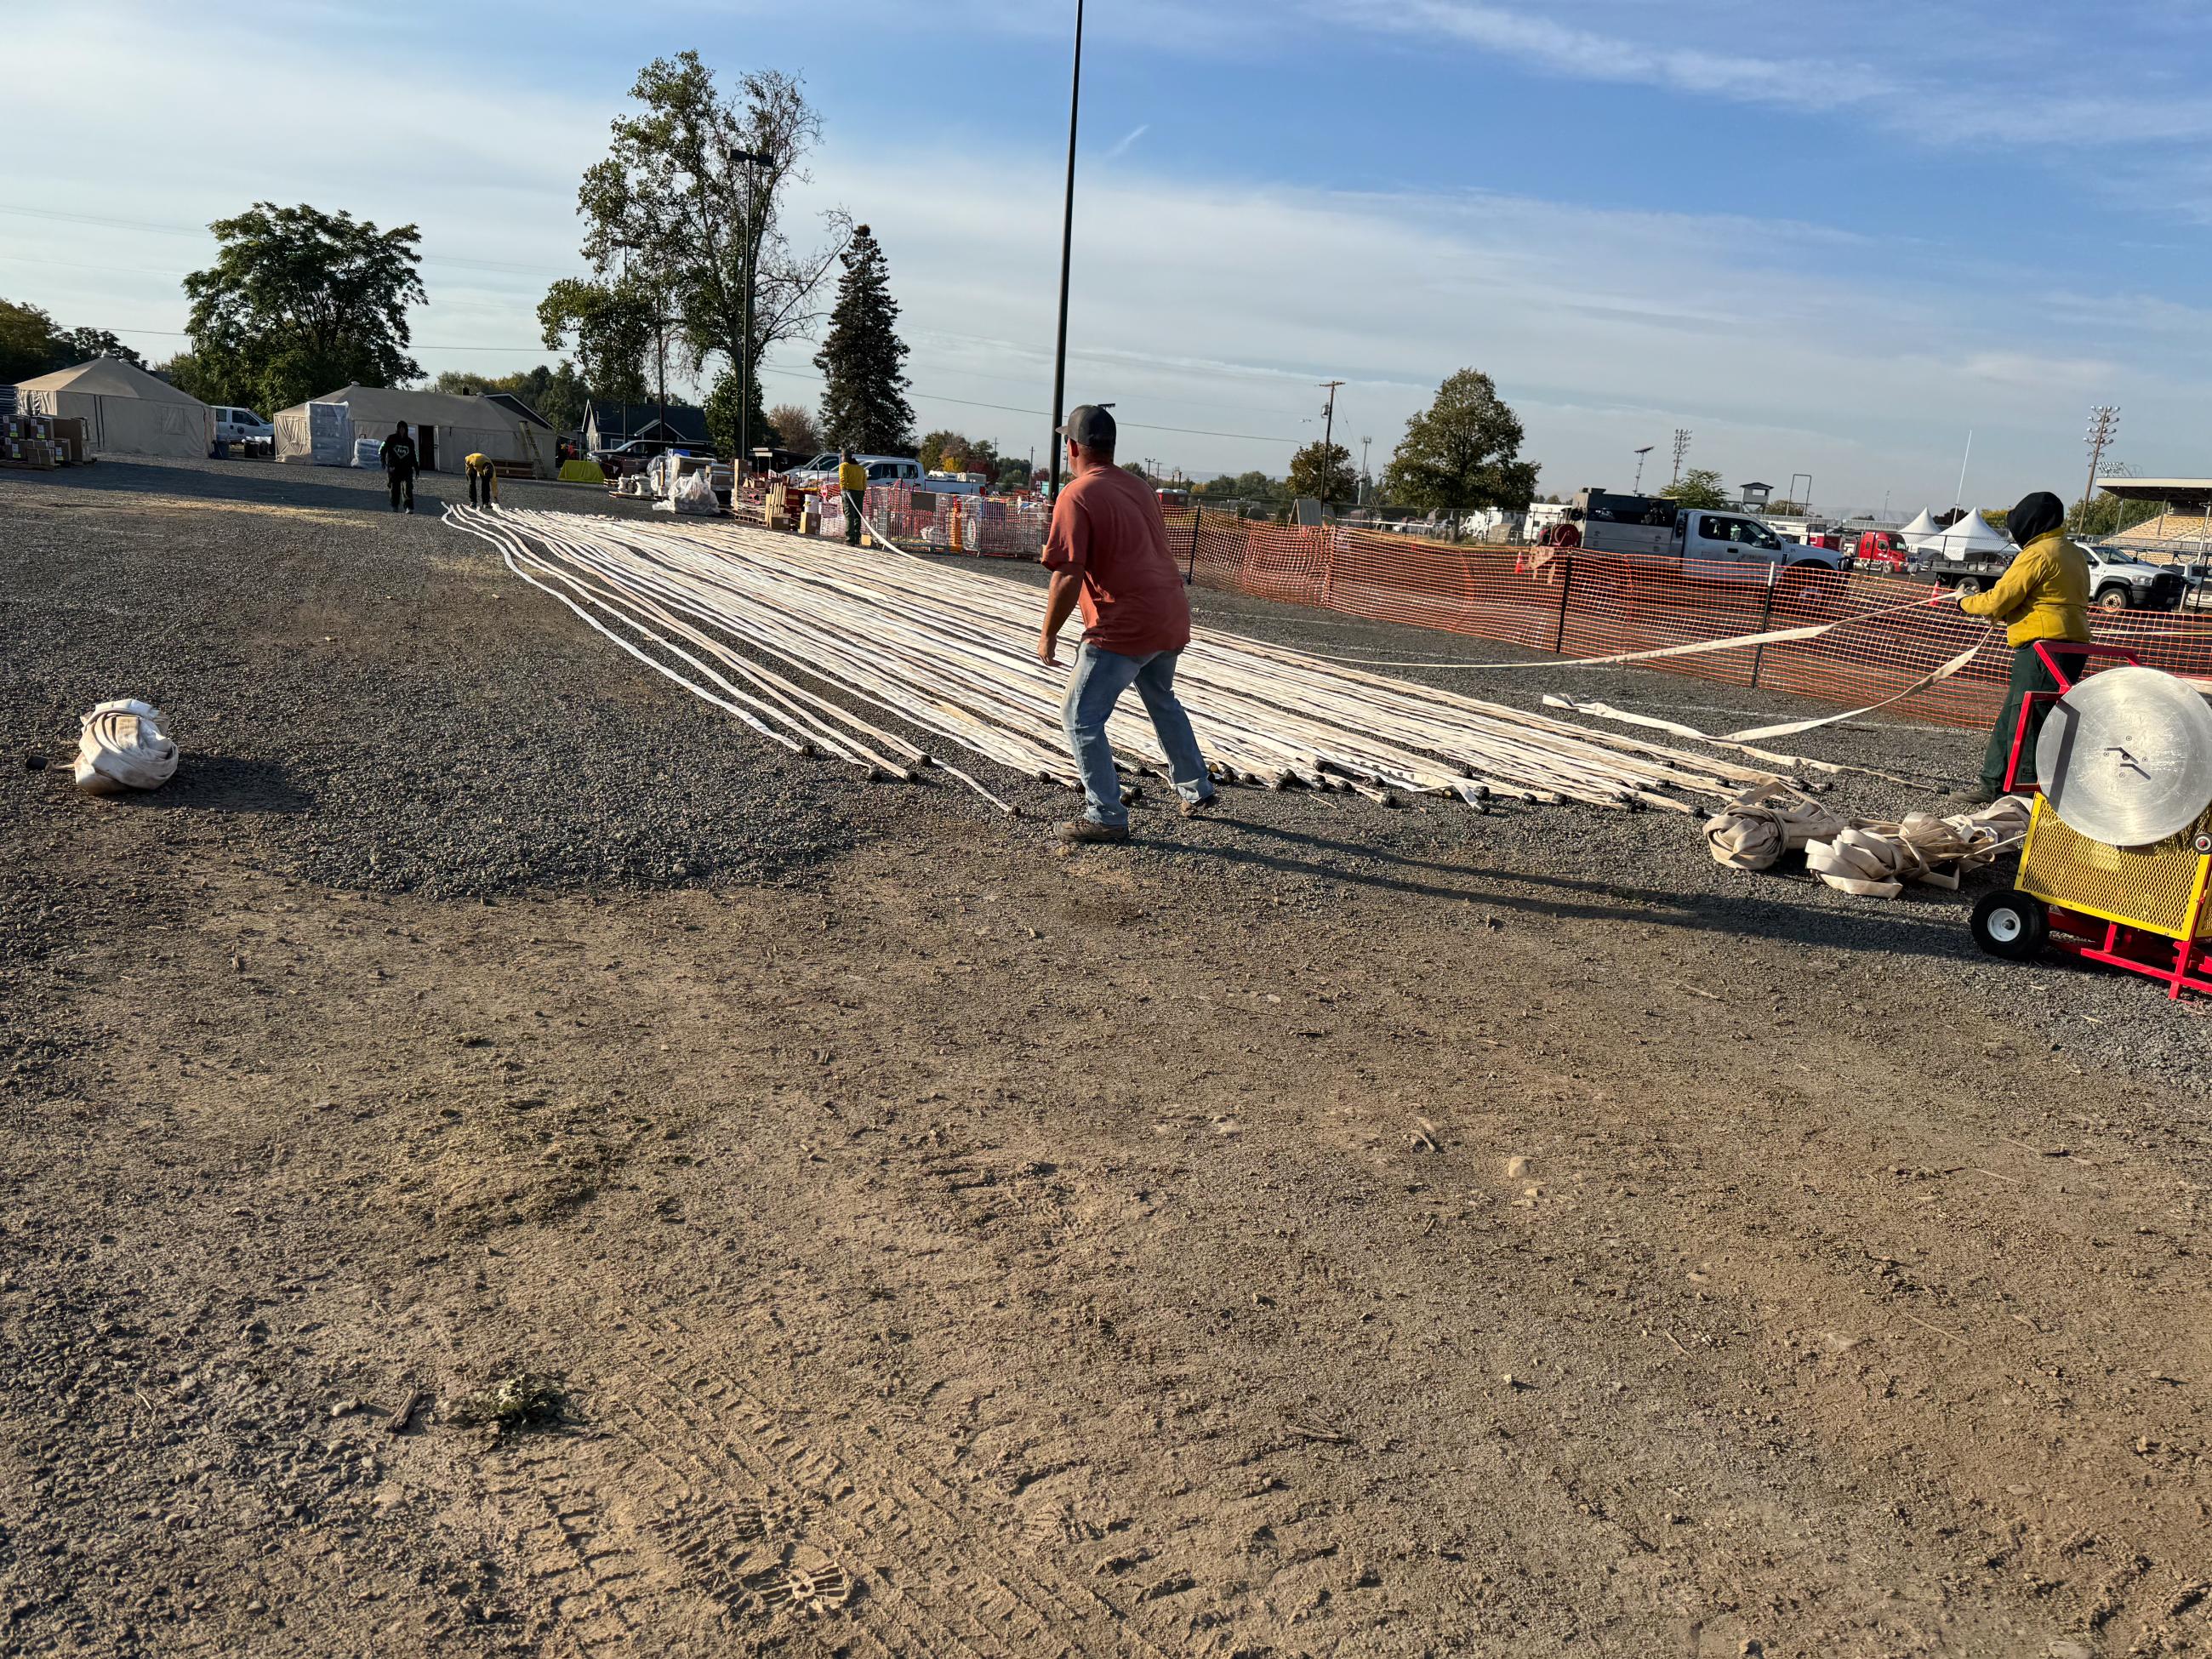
(1107, 552)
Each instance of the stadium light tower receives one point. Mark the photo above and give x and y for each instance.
(1682, 448)
(2104, 422)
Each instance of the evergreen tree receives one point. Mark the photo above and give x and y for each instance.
(862, 360)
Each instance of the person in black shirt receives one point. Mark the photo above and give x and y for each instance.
(397, 455)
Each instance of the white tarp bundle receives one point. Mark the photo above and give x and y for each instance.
(123, 746)
(127, 411)
(1973, 536)
(447, 429)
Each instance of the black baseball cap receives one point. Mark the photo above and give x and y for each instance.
(1088, 425)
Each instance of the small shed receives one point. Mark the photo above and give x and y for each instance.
(446, 427)
(126, 410)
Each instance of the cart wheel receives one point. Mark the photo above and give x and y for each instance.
(2010, 924)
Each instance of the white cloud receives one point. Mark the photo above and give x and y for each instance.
(1128, 142)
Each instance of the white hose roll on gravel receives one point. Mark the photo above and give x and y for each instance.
(1753, 831)
(124, 745)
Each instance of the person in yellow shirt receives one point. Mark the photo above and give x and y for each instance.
(852, 482)
(482, 476)
(2042, 595)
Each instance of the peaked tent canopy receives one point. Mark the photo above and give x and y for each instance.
(126, 410)
(448, 428)
(1972, 536)
(1925, 524)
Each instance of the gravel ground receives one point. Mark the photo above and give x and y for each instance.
(1320, 1229)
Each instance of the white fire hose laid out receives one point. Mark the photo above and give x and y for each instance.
(123, 746)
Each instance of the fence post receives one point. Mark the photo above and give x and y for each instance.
(1190, 569)
(1566, 587)
(1765, 620)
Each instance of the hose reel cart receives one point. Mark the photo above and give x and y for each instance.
(2119, 846)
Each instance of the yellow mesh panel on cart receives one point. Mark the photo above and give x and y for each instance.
(2149, 887)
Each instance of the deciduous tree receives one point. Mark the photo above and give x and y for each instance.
(81, 345)
(863, 360)
(701, 227)
(1326, 475)
(26, 342)
(1698, 486)
(608, 329)
(1462, 452)
(795, 427)
(300, 302)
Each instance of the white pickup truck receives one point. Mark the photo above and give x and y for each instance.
(1733, 546)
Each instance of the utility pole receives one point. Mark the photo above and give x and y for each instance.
(1366, 479)
(1067, 248)
(1327, 442)
(2104, 422)
(1640, 454)
(1682, 448)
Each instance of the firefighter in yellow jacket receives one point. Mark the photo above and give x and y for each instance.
(2043, 596)
(483, 476)
(852, 485)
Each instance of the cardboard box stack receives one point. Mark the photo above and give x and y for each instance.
(28, 440)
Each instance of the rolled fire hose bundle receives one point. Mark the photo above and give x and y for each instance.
(124, 746)
(1872, 858)
(1875, 860)
(1753, 831)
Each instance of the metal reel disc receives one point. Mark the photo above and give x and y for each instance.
(2126, 757)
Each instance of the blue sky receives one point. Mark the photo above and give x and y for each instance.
(1827, 240)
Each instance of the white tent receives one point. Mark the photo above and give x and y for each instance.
(1920, 529)
(447, 429)
(1973, 536)
(126, 410)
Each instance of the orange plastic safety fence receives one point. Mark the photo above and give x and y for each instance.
(1580, 604)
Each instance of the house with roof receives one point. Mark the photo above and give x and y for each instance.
(607, 424)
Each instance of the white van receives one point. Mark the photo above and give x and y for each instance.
(236, 425)
(882, 469)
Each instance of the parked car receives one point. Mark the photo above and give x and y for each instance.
(237, 427)
(620, 460)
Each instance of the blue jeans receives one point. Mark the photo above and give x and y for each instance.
(1099, 679)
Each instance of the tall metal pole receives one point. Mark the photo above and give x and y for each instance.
(1960, 500)
(1067, 249)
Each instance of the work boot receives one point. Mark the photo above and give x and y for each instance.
(1203, 806)
(1981, 794)
(1088, 832)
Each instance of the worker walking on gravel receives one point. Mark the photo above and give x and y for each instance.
(1107, 552)
(2042, 595)
(852, 485)
(397, 454)
(482, 476)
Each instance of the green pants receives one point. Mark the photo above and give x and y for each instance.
(2028, 674)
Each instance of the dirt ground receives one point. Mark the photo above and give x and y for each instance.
(1317, 1233)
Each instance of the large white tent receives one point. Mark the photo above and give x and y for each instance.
(1920, 529)
(447, 429)
(1973, 536)
(126, 410)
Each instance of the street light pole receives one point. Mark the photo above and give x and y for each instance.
(745, 158)
(1640, 454)
(1067, 249)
